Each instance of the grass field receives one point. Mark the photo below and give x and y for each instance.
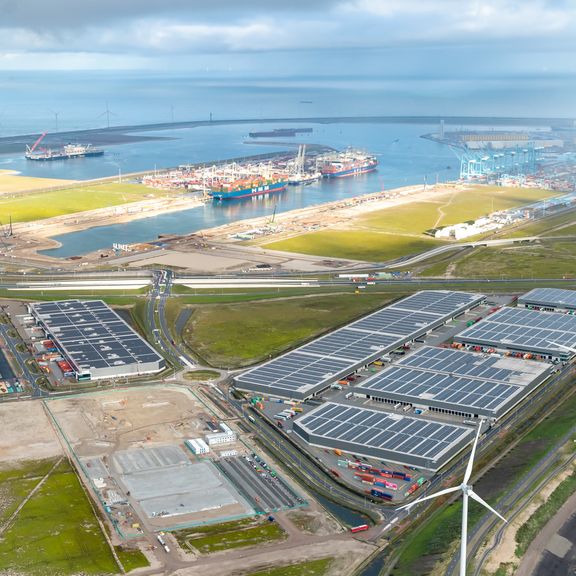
(530, 529)
(16, 483)
(131, 558)
(195, 375)
(548, 260)
(237, 534)
(234, 335)
(40, 205)
(56, 533)
(390, 233)
(11, 183)
(367, 245)
(310, 568)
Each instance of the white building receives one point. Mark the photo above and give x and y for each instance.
(197, 445)
(227, 436)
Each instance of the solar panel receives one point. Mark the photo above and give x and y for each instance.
(313, 366)
(550, 297)
(523, 330)
(463, 382)
(93, 336)
(395, 438)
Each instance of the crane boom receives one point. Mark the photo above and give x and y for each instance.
(35, 145)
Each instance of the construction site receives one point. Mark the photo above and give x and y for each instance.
(138, 452)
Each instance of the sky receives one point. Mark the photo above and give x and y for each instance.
(400, 38)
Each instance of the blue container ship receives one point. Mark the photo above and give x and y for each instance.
(245, 188)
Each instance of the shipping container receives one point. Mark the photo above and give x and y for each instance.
(360, 528)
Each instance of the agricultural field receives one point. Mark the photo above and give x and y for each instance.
(40, 205)
(547, 260)
(239, 534)
(11, 182)
(397, 231)
(236, 335)
(55, 533)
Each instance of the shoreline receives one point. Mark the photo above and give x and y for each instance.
(39, 235)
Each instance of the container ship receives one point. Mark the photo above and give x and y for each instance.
(245, 187)
(64, 153)
(348, 163)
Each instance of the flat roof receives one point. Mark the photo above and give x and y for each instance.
(92, 335)
(525, 330)
(394, 437)
(455, 380)
(552, 297)
(313, 366)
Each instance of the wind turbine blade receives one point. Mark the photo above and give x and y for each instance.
(475, 496)
(569, 348)
(431, 497)
(468, 472)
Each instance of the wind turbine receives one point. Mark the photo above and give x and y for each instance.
(466, 493)
(107, 113)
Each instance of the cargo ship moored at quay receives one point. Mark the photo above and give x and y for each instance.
(243, 189)
(348, 163)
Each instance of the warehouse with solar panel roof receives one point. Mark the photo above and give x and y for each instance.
(309, 369)
(465, 384)
(520, 331)
(550, 299)
(95, 341)
(376, 389)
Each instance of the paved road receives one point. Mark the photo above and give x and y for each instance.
(21, 358)
(553, 552)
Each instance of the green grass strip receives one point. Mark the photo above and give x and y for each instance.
(310, 568)
(530, 529)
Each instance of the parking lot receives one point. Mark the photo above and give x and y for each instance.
(260, 485)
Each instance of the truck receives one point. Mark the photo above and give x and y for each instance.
(380, 494)
(360, 528)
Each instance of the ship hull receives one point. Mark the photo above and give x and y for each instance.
(350, 172)
(248, 192)
(49, 158)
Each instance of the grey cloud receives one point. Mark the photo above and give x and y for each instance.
(61, 14)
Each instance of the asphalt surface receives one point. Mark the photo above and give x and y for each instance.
(266, 494)
(27, 377)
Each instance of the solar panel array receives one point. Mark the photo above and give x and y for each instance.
(92, 335)
(455, 380)
(551, 297)
(370, 432)
(312, 367)
(524, 330)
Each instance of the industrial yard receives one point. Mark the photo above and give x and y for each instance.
(152, 454)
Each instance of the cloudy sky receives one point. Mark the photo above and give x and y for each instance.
(440, 38)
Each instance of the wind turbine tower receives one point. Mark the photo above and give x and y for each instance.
(467, 493)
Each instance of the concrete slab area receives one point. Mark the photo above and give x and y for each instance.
(191, 488)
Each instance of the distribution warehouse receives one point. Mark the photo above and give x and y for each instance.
(311, 368)
(524, 331)
(455, 382)
(94, 340)
(550, 299)
(392, 437)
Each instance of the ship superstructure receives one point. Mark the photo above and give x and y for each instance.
(347, 163)
(66, 152)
